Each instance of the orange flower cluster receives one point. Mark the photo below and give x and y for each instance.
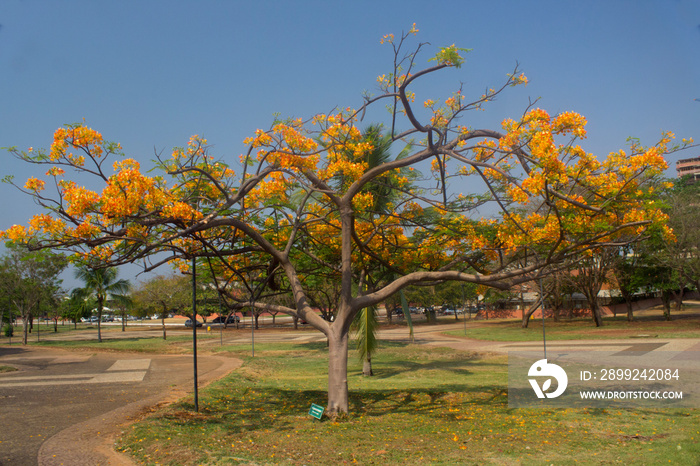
(14, 233)
(85, 230)
(34, 184)
(80, 200)
(181, 211)
(351, 170)
(272, 189)
(293, 138)
(48, 224)
(76, 136)
(128, 192)
(55, 171)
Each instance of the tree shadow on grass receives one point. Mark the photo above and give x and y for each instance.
(374, 403)
(280, 409)
(457, 366)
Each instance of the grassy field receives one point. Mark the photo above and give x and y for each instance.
(430, 407)
(113, 339)
(649, 324)
(174, 344)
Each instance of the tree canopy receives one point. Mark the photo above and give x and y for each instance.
(28, 280)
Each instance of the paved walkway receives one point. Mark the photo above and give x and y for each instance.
(68, 407)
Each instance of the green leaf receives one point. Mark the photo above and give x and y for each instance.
(366, 321)
(450, 56)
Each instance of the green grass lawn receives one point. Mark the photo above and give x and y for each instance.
(683, 326)
(113, 339)
(423, 406)
(174, 344)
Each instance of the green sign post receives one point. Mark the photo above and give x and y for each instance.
(316, 411)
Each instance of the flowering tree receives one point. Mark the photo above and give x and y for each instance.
(304, 200)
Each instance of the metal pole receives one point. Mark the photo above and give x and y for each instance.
(194, 331)
(252, 329)
(544, 335)
(223, 324)
(464, 310)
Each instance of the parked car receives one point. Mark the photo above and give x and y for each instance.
(232, 319)
(188, 323)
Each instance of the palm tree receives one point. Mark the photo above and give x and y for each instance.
(101, 285)
(384, 191)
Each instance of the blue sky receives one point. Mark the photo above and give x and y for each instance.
(149, 74)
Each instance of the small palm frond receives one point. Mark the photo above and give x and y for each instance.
(407, 314)
(366, 333)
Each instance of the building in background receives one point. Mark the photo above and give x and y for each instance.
(689, 167)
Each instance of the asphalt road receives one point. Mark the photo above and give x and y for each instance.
(66, 408)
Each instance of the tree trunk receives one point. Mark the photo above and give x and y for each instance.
(666, 299)
(630, 312)
(367, 366)
(25, 329)
(597, 317)
(678, 299)
(337, 372)
(527, 314)
(556, 309)
(627, 296)
(162, 319)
